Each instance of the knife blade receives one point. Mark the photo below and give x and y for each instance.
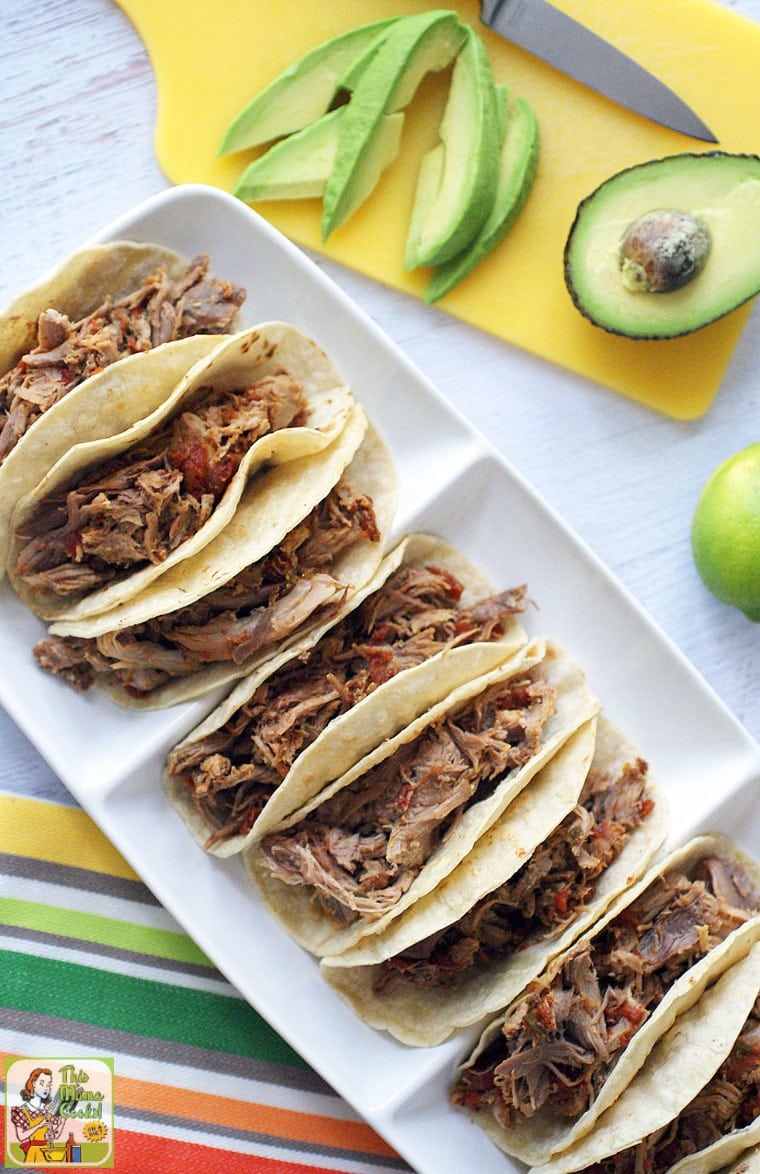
(566, 44)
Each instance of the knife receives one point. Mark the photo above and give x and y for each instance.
(569, 46)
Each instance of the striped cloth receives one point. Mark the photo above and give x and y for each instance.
(92, 965)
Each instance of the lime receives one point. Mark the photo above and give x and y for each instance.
(725, 532)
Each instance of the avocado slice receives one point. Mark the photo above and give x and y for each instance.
(412, 47)
(306, 89)
(296, 167)
(299, 166)
(518, 163)
(457, 180)
(667, 246)
(430, 176)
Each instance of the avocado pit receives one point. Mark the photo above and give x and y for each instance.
(663, 251)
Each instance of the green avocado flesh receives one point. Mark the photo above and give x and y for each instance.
(299, 166)
(456, 189)
(296, 167)
(333, 121)
(721, 192)
(413, 47)
(306, 89)
(518, 163)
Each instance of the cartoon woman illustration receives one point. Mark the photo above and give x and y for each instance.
(35, 1126)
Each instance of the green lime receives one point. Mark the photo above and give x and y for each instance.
(725, 532)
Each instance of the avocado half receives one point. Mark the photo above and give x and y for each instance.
(691, 268)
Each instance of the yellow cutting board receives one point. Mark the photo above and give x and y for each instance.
(211, 58)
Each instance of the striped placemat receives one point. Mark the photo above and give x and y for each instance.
(91, 964)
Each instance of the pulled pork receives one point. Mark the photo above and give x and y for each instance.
(544, 896)
(67, 353)
(561, 1041)
(729, 1101)
(138, 507)
(264, 604)
(232, 772)
(360, 850)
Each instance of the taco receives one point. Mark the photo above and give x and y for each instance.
(389, 830)
(65, 346)
(694, 1106)
(308, 715)
(113, 515)
(561, 1054)
(585, 827)
(305, 537)
(748, 1163)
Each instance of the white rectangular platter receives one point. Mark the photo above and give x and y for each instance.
(454, 483)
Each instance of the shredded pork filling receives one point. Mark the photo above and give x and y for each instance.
(67, 353)
(262, 605)
(561, 1041)
(360, 850)
(547, 893)
(140, 506)
(729, 1101)
(232, 772)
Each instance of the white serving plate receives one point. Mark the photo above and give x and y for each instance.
(455, 483)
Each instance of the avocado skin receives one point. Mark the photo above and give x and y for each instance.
(665, 321)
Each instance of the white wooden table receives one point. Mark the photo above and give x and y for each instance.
(76, 125)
